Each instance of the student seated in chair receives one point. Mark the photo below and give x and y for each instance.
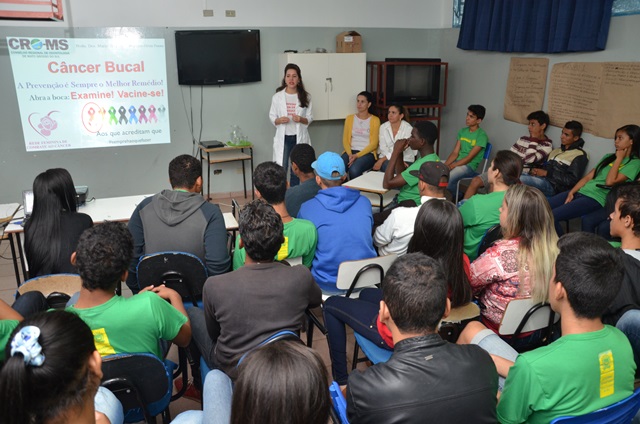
(398, 175)
(343, 219)
(591, 366)
(624, 311)
(179, 219)
(300, 235)
(426, 378)
(123, 325)
(244, 307)
(302, 156)
(394, 234)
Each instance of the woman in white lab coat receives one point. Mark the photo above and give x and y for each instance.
(291, 114)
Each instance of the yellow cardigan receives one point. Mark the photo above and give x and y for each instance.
(374, 132)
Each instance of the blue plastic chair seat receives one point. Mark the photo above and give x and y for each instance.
(375, 353)
(619, 413)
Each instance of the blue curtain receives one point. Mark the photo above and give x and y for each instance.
(535, 26)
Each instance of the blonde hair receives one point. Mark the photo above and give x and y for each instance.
(529, 217)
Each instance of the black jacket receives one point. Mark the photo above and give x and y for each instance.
(566, 166)
(629, 295)
(427, 380)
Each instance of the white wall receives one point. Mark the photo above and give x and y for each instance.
(257, 13)
(480, 77)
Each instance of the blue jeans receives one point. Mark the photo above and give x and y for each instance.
(494, 345)
(580, 206)
(106, 402)
(540, 183)
(289, 143)
(216, 402)
(458, 173)
(629, 324)
(360, 165)
(200, 339)
(361, 315)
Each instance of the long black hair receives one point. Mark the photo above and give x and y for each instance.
(53, 193)
(38, 394)
(439, 233)
(303, 96)
(633, 131)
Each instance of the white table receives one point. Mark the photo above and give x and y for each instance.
(370, 185)
(100, 210)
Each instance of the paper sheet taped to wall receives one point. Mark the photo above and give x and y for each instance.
(603, 96)
(525, 87)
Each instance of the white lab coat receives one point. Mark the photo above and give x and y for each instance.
(278, 109)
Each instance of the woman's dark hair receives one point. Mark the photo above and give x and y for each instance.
(367, 95)
(53, 193)
(402, 110)
(633, 131)
(510, 166)
(439, 233)
(37, 394)
(283, 382)
(303, 96)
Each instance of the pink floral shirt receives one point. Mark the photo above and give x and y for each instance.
(495, 280)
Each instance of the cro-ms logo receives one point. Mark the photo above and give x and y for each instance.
(54, 44)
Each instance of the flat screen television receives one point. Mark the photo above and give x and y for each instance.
(413, 84)
(218, 57)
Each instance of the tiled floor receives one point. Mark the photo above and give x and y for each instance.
(8, 289)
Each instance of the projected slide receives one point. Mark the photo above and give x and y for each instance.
(79, 93)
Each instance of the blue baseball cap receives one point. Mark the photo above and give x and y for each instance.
(328, 163)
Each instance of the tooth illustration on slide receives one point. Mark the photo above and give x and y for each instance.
(44, 125)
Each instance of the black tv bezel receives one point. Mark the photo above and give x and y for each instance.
(410, 100)
(212, 82)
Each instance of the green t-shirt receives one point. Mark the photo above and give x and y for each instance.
(469, 140)
(6, 327)
(575, 375)
(132, 325)
(479, 213)
(629, 168)
(300, 240)
(410, 191)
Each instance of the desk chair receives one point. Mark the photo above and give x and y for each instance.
(353, 275)
(338, 405)
(482, 167)
(141, 383)
(57, 288)
(451, 327)
(280, 335)
(180, 271)
(621, 412)
(523, 316)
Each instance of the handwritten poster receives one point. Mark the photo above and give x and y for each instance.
(525, 87)
(81, 93)
(603, 96)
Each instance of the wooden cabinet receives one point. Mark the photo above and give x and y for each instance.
(333, 80)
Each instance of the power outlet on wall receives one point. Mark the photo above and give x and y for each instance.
(230, 13)
(207, 13)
